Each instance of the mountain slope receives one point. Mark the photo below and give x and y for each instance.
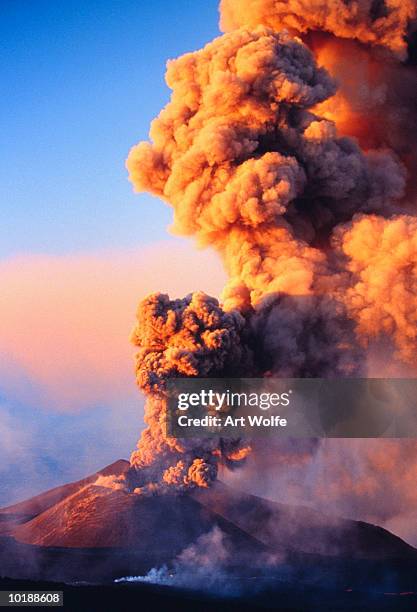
(98, 517)
(301, 528)
(83, 515)
(35, 505)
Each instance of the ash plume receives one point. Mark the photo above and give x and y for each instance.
(188, 337)
(377, 22)
(315, 226)
(368, 47)
(382, 259)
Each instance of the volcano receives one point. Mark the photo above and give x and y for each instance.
(89, 516)
(84, 515)
(81, 531)
(81, 535)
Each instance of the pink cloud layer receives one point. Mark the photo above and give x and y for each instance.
(65, 320)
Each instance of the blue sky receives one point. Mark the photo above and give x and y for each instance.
(81, 82)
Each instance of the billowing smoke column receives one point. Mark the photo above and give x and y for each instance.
(188, 337)
(315, 232)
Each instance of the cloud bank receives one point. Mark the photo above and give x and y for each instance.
(65, 320)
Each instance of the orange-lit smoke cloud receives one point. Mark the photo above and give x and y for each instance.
(376, 22)
(382, 298)
(360, 44)
(311, 226)
(61, 314)
(250, 170)
(188, 337)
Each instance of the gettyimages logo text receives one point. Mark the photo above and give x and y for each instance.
(229, 399)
